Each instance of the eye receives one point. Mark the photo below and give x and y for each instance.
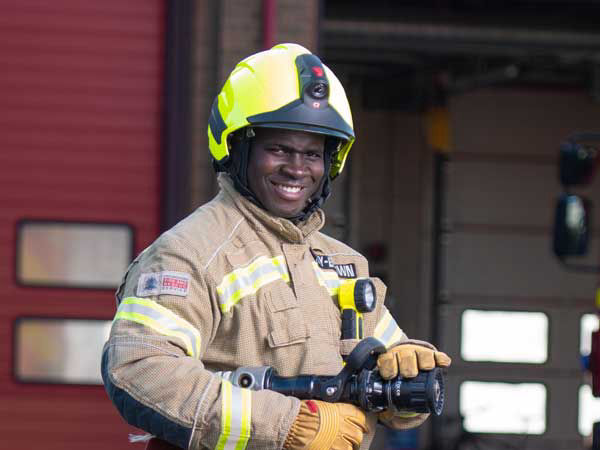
(314, 155)
(276, 150)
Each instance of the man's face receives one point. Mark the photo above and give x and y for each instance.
(285, 169)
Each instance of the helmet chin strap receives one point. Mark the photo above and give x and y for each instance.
(237, 168)
(324, 189)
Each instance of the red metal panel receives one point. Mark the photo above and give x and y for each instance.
(80, 139)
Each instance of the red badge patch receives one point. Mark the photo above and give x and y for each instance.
(167, 282)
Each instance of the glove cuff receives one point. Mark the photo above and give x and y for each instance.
(303, 430)
(322, 425)
(329, 426)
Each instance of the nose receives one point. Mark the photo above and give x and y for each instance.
(295, 165)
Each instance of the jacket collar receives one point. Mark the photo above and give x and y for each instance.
(260, 218)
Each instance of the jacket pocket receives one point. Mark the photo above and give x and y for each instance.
(287, 325)
(281, 337)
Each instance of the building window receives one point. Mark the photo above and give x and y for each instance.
(504, 336)
(488, 407)
(70, 254)
(64, 351)
(589, 410)
(588, 324)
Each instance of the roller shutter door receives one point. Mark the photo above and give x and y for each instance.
(80, 128)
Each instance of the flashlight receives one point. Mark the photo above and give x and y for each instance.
(355, 297)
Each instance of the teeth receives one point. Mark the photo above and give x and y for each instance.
(289, 188)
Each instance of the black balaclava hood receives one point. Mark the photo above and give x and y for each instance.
(237, 168)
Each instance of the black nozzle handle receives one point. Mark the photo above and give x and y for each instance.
(304, 387)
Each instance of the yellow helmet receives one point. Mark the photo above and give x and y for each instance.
(284, 87)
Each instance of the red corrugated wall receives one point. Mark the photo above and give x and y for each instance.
(81, 84)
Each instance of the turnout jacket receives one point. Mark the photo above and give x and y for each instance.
(231, 286)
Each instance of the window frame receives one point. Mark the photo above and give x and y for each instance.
(21, 223)
(504, 310)
(49, 381)
(512, 381)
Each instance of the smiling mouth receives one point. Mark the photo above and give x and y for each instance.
(287, 189)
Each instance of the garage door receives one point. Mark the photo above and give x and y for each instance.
(81, 86)
(512, 316)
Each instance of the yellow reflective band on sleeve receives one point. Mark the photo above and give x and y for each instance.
(328, 279)
(388, 331)
(162, 320)
(236, 416)
(248, 280)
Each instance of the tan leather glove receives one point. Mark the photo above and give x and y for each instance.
(321, 425)
(401, 420)
(407, 359)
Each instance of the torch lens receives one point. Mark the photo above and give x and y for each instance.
(364, 295)
(369, 297)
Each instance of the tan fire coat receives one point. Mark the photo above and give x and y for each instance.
(230, 286)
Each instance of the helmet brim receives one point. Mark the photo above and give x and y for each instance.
(303, 127)
(298, 116)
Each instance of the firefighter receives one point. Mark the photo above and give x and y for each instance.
(248, 280)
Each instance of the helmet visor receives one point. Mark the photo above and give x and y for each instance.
(297, 115)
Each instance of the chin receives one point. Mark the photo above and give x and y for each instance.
(285, 213)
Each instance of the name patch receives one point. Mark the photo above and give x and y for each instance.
(169, 283)
(323, 261)
(343, 270)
